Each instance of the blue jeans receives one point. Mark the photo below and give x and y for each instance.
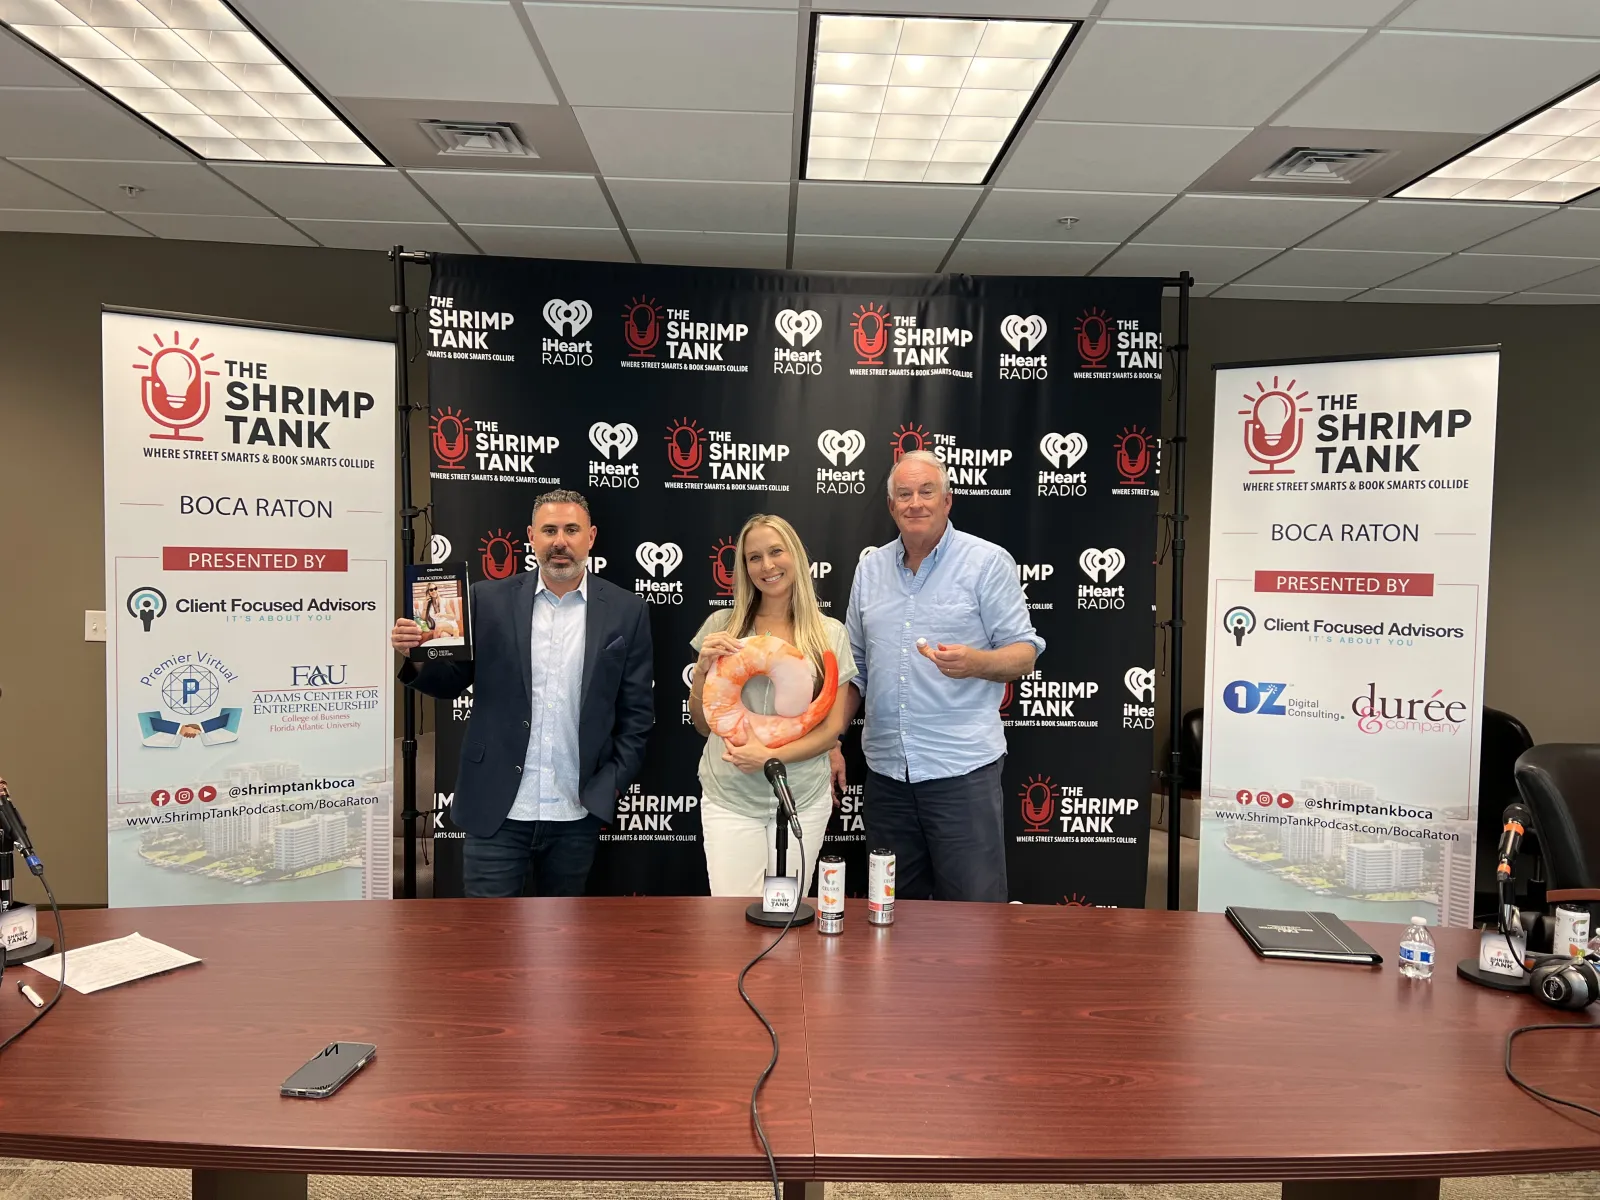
(531, 858)
(948, 835)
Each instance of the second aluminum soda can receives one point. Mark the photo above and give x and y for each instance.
(830, 894)
(880, 887)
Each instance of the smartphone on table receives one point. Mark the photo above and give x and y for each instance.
(327, 1072)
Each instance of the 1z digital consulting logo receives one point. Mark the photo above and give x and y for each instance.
(1099, 338)
(658, 560)
(799, 329)
(173, 387)
(1024, 335)
(613, 442)
(567, 319)
(1102, 566)
(1063, 450)
(841, 448)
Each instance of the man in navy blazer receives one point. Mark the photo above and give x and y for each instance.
(561, 675)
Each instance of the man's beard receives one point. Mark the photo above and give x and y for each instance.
(563, 571)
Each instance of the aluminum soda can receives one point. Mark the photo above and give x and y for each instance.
(830, 894)
(1572, 931)
(880, 887)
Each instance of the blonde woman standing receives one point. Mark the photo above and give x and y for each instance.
(772, 595)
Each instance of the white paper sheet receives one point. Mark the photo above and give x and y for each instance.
(106, 964)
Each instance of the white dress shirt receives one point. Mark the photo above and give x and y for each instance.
(549, 787)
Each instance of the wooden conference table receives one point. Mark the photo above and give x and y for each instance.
(604, 1039)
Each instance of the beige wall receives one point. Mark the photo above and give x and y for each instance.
(1546, 545)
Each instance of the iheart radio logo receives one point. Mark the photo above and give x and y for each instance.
(613, 441)
(1141, 684)
(804, 325)
(1056, 446)
(835, 445)
(664, 556)
(567, 317)
(1102, 566)
(1024, 333)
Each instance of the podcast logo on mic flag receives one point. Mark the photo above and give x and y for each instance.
(452, 437)
(173, 386)
(1136, 456)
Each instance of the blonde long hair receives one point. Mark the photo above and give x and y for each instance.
(810, 635)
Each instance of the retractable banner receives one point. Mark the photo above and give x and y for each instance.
(1344, 661)
(249, 484)
(683, 400)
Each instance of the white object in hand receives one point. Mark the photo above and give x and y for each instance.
(922, 643)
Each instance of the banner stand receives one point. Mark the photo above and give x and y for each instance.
(1183, 282)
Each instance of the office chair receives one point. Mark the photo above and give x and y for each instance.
(1504, 739)
(1560, 782)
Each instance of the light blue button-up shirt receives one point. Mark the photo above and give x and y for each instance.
(919, 724)
(549, 787)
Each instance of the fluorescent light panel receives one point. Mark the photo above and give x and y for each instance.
(193, 69)
(921, 99)
(1548, 158)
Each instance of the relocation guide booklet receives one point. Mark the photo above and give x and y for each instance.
(437, 600)
(1285, 933)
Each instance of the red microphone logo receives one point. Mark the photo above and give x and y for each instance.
(1005, 700)
(908, 438)
(724, 562)
(869, 329)
(451, 437)
(1094, 339)
(1075, 901)
(685, 448)
(499, 554)
(1038, 803)
(641, 326)
(1273, 430)
(173, 388)
(1133, 455)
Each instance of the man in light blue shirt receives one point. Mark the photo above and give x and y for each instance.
(938, 624)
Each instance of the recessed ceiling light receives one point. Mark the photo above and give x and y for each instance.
(195, 70)
(921, 99)
(1548, 158)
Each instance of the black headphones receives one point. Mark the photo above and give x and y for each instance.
(1563, 982)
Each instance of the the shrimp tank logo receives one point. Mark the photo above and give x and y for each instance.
(498, 554)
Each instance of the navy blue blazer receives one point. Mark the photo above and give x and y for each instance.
(615, 712)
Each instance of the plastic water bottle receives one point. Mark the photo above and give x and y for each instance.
(1417, 950)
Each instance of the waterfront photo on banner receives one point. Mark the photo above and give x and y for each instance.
(1348, 590)
(249, 557)
(683, 400)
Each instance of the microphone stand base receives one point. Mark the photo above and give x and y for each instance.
(35, 949)
(1468, 969)
(757, 915)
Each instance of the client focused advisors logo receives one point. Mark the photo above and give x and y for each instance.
(642, 319)
(145, 604)
(841, 448)
(1102, 566)
(658, 560)
(1063, 450)
(613, 441)
(1134, 456)
(567, 318)
(869, 334)
(498, 556)
(1038, 797)
(1025, 335)
(173, 387)
(1239, 621)
(451, 432)
(798, 329)
(1428, 714)
(439, 549)
(1141, 685)
(1274, 431)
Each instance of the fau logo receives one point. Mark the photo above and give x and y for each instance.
(452, 437)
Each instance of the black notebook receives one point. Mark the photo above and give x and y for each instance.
(1285, 933)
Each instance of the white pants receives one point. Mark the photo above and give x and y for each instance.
(740, 850)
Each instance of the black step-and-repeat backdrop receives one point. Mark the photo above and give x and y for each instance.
(682, 400)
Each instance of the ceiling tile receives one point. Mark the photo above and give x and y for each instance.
(1190, 74)
(1253, 291)
(1571, 18)
(496, 198)
(1437, 81)
(1493, 272)
(1418, 296)
(695, 205)
(1337, 268)
(1406, 156)
(1442, 225)
(822, 253)
(38, 221)
(1071, 156)
(1208, 264)
(883, 209)
(384, 235)
(18, 189)
(23, 66)
(1571, 232)
(735, 249)
(642, 57)
(190, 228)
(1546, 298)
(723, 3)
(521, 241)
(1243, 220)
(1051, 10)
(976, 256)
(167, 187)
(1585, 283)
(466, 50)
(1264, 12)
(76, 123)
(1034, 216)
(332, 193)
(636, 143)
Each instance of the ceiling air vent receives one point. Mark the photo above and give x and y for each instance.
(477, 139)
(1307, 164)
